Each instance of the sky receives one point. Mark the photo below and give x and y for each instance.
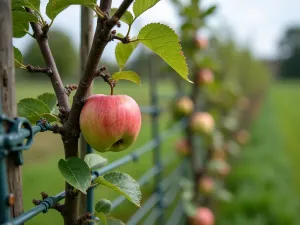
(258, 24)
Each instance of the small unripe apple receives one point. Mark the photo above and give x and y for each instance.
(202, 123)
(204, 216)
(206, 185)
(110, 122)
(204, 77)
(219, 154)
(242, 137)
(201, 43)
(243, 103)
(182, 147)
(219, 167)
(184, 106)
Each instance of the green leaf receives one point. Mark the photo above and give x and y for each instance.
(123, 52)
(32, 4)
(49, 99)
(102, 217)
(48, 116)
(108, 221)
(103, 206)
(21, 22)
(127, 75)
(18, 58)
(122, 183)
(34, 109)
(94, 161)
(209, 11)
(140, 6)
(164, 42)
(76, 172)
(54, 7)
(126, 18)
(112, 221)
(29, 107)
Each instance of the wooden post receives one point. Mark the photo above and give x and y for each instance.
(85, 45)
(7, 86)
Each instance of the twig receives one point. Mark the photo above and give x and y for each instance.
(124, 40)
(55, 78)
(69, 88)
(34, 69)
(84, 219)
(107, 78)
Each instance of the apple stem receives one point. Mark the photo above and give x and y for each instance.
(111, 90)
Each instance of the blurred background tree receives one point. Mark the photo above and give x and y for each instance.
(289, 48)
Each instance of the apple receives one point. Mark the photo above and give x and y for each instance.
(205, 76)
(243, 103)
(201, 43)
(206, 185)
(182, 147)
(219, 167)
(110, 122)
(184, 106)
(202, 123)
(204, 216)
(219, 154)
(242, 137)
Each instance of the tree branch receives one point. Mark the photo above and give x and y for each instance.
(121, 10)
(55, 78)
(34, 69)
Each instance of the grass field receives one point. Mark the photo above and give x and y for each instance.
(40, 172)
(265, 179)
(284, 104)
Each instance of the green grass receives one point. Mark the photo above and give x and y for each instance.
(284, 104)
(40, 172)
(264, 179)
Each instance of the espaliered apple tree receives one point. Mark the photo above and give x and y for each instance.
(108, 122)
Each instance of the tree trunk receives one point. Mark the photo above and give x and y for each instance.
(7, 85)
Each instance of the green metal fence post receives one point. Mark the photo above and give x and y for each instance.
(155, 134)
(4, 207)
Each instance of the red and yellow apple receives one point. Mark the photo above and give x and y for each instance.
(110, 122)
(204, 216)
(202, 123)
(204, 77)
(206, 185)
(184, 106)
(182, 147)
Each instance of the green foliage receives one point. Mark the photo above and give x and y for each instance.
(49, 99)
(127, 75)
(94, 161)
(59, 42)
(163, 41)
(18, 58)
(54, 7)
(34, 109)
(21, 21)
(289, 49)
(140, 6)
(123, 52)
(126, 18)
(103, 206)
(31, 4)
(209, 11)
(111, 221)
(122, 183)
(76, 172)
